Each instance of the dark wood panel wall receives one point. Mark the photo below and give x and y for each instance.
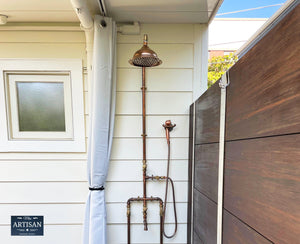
(262, 145)
(263, 98)
(262, 185)
(205, 186)
(206, 166)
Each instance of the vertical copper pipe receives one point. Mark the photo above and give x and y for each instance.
(144, 148)
(128, 221)
(161, 222)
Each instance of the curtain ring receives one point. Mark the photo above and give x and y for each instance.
(103, 22)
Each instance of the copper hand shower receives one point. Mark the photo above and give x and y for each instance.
(145, 57)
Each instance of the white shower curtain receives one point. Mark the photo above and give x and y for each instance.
(102, 112)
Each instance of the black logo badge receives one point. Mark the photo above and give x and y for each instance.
(27, 225)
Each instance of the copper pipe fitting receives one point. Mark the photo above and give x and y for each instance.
(168, 127)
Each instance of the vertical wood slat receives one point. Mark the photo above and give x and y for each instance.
(205, 218)
(206, 170)
(207, 121)
(262, 185)
(264, 94)
(208, 116)
(190, 174)
(236, 232)
(196, 239)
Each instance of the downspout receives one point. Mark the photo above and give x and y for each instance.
(86, 24)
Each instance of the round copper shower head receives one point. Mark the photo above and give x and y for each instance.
(145, 57)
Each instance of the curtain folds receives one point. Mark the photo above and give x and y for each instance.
(102, 112)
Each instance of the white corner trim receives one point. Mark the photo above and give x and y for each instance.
(223, 84)
(193, 174)
(200, 60)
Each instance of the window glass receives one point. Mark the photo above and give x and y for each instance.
(41, 106)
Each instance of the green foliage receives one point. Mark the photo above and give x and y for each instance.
(218, 65)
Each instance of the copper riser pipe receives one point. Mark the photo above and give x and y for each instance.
(144, 149)
(144, 199)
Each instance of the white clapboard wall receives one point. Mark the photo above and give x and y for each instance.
(54, 184)
(49, 184)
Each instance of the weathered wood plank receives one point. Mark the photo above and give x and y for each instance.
(206, 170)
(205, 218)
(262, 185)
(264, 94)
(196, 239)
(208, 116)
(236, 232)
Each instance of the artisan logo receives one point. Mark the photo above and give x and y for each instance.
(27, 225)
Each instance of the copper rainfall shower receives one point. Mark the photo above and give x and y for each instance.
(145, 57)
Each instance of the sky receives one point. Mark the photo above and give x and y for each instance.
(237, 5)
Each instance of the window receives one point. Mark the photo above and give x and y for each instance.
(39, 111)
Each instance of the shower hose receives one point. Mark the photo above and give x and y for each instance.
(168, 179)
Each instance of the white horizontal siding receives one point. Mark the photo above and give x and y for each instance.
(54, 214)
(157, 79)
(161, 33)
(64, 214)
(131, 126)
(42, 50)
(42, 156)
(42, 171)
(58, 234)
(49, 184)
(138, 235)
(116, 213)
(125, 148)
(133, 169)
(42, 37)
(54, 184)
(122, 191)
(76, 192)
(156, 103)
(43, 192)
(47, 171)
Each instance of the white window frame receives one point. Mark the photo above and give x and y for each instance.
(68, 71)
(11, 79)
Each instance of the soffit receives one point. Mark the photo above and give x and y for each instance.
(158, 11)
(144, 11)
(38, 11)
